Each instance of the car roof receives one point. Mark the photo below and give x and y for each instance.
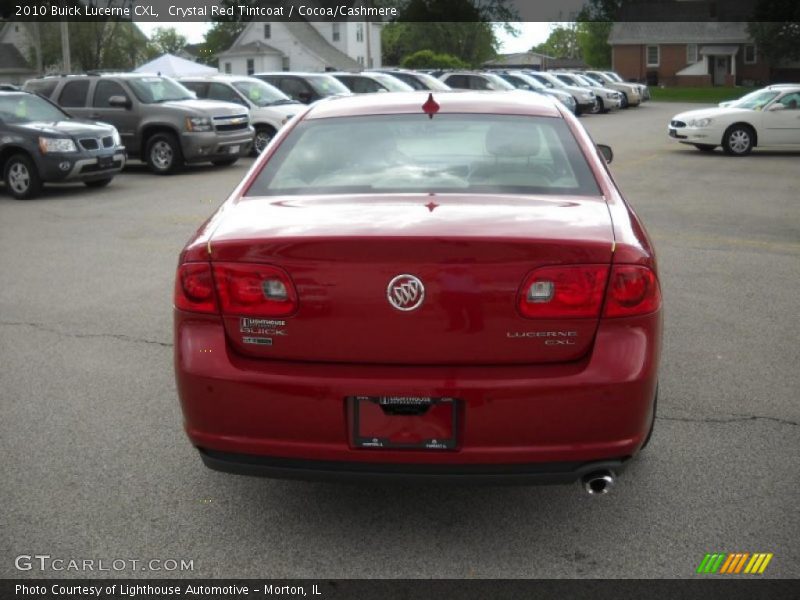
(218, 77)
(475, 102)
(291, 73)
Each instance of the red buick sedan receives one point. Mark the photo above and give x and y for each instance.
(425, 288)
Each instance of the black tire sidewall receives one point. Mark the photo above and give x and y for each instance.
(35, 185)
(177, 156)
(726, 140)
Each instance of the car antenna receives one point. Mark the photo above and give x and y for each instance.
(431, 107)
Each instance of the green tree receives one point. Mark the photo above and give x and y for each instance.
(103, 45)
(561, 43)
(779, 42)
(473, 43)
(593, 43)
(165, 40)
(595, 21)
(427, 59)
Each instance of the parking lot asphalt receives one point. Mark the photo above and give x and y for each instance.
(95, 464)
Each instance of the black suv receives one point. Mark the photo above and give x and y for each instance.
(160, 121)
(41, 143)
(305, 87)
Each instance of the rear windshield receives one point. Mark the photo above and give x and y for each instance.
(412, 153)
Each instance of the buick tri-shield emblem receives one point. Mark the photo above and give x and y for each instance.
(405, 292)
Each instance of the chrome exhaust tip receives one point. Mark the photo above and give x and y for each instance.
(599, 482)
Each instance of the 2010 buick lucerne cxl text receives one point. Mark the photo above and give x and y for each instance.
(444, 287)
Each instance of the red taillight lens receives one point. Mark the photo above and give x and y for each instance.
(568, 292)
(254, 290)
(633, 290)
(194, 288)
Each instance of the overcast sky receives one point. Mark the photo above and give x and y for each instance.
(530, 33)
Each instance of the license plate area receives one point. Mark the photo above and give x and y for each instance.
(411, 422)
(233, 149)
(105, 162)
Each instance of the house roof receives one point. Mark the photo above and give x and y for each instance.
(256, 47)
(11, 60)
(309, 37)
(710, 32)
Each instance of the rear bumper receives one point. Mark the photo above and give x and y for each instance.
(595, 409)
(356, 472)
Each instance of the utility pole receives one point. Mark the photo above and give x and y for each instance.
(65, 56)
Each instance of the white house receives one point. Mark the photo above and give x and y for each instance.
(303, 46)
(15, 48)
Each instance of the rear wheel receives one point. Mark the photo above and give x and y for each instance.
(224, 162)
(22, 178)
(738, 140)
(262, 138)
(705, 147)
(163, 154)
(98, 183)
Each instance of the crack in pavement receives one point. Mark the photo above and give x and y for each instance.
(113, 336)
(736, 418)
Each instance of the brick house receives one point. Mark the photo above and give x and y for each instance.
(687, 54)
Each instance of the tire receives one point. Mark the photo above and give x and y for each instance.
(597, 107)
(98, 183)
(163, 154)
(738, 140)
(224, 162)
(602, 107)
(625, 103)
(652, 422)
(705, 147)
(22, 177)
(264, 135)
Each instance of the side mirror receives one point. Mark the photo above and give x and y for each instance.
(606, 152)
(119, 102)
(776, 106)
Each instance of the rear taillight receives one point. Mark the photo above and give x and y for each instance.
(570, 292)
(194, 288)
(254, 290)
(633, 290)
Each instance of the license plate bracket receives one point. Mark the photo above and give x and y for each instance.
(105, 162)
(410, 422)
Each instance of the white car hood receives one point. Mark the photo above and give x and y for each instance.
(711, 113)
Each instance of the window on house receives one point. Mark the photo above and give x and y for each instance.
(750, 56)
(267, 31)
(360, 32)
(691, 53)
(251, 66)
(336, 32)
(228, 68)
(360, 60)
(653, 56)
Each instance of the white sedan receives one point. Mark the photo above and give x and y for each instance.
(768, 117)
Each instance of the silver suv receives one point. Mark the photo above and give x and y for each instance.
(160, 121)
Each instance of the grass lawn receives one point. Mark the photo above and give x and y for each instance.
(707, 95)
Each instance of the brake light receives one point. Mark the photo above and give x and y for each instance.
(574, 291)
(254, 290)
(633, 290)
(194, 288)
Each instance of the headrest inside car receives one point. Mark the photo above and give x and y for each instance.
(512, 140)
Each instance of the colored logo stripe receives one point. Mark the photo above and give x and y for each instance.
(733, 563)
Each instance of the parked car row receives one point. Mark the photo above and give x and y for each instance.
(57, 123)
